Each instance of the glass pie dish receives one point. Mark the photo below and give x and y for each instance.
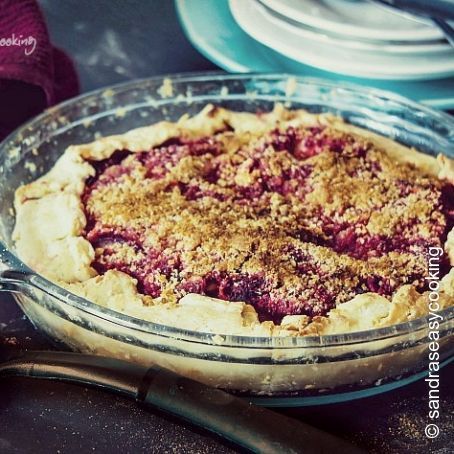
(272, 370)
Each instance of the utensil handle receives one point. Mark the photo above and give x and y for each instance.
(254, 428)
(443, 9)
(445, 28)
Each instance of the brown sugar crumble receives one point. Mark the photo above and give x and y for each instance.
(294, 221)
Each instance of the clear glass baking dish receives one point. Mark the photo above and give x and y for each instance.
(275, 371)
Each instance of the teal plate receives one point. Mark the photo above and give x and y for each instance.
(210, 27)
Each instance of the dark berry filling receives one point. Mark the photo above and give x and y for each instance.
(280, 223)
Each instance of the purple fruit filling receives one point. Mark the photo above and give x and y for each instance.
(281, 223)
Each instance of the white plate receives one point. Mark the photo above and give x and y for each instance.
(224, 42)
(327, 37)
(251, 17)
(356, 18)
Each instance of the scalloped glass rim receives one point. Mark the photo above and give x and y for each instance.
(32, 279)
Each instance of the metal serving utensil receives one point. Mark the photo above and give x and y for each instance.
(438, 11)
(254, 428)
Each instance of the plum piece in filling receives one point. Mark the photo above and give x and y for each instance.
(295, 222)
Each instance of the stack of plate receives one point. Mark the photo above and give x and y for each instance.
(353, 37)
(352, 40)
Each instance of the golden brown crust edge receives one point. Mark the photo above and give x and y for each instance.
(50, 222)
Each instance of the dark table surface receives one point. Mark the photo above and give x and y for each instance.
(113, 41)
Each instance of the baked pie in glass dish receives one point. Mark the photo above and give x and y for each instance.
(300, 249)
(271, 224)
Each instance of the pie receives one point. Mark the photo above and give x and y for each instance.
(283, 223)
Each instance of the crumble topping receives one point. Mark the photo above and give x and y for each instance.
(280, 223)
(295, 220)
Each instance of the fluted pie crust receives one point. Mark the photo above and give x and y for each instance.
(298, 224)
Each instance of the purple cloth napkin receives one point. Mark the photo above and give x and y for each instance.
(33, 74)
